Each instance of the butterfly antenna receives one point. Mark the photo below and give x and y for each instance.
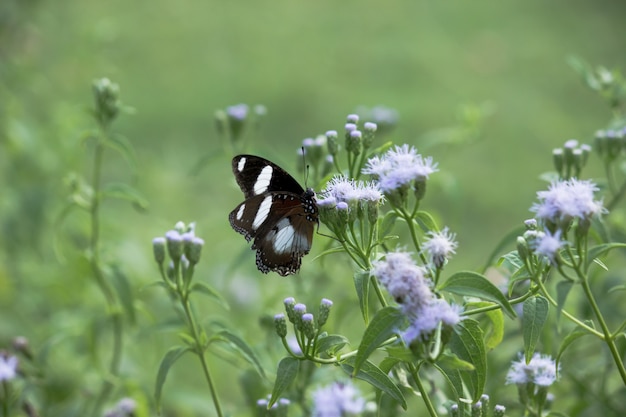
(306, 167)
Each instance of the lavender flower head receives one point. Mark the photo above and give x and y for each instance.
(406, 283)
(237, 111)
(541, 371)
(337, 400)
(342, 189)
(398, 167)
(548, 244)
(440, 246)
(8, 367)
(566, 200)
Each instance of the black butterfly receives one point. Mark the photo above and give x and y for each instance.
(277, 213)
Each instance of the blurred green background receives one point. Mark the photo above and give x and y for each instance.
(310, 63)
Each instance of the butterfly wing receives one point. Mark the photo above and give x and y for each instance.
(281, 228)
(256, 175)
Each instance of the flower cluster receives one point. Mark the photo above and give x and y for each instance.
(440, 246)
(337, 400)
(610, 143)
(400, 170)
(184, 249)
(540, 371)
(406, 283)
(306, 326)
(344, 201)
(567, 200)
(8, 367)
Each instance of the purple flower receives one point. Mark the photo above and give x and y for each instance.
(440, 246)
(8, 367)
(406, 283)
(342, 189)
(398, 167)
(237, 111)
(568, 199)
(548, 244)
(337, 400)
(540, 371)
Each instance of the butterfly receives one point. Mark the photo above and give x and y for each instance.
(277, 214)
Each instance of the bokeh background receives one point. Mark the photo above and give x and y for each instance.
(483, 87)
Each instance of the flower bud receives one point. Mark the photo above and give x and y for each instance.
(531, 224)
(158, 247)
(352, 118)
(324, 312)
(522, 248)
(194, 249)
(174, 244)
(499, 410)
(419, 189)
(106, 95)
(477, 409)
(369, 131)
(280, 325)
(333, 147)
(289, 303)
(308, 325)
(299, 310)
(354, 142)
(454, 410)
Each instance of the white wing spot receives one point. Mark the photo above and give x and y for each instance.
(283, 240)
(262, 212)
(240, 212)
(241, 164)
(263, 180)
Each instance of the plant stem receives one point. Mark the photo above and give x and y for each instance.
(608, 339)
(104, 286)
(200, 352)
(429, 405)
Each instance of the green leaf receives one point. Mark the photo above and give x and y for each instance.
(453, 376)
(370, 373)
(574, 335)
(362, 286)
(168, 360)
(495, 330)
(122, 145)
(467, 344)
(535, 315)
(562, 290)
(385, 324)
(124, 292)
(387, 223)
(600, 250)
(331, 343)
(206, 289)
(425, 221)
(472, 284)
(451, 361)
(241, 347)
(124, 191)
(285, 375)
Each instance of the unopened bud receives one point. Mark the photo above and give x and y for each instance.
(280, 324)
(158, 247)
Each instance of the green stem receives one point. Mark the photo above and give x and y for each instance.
(200, 352)
(416, 377)
(5, 401)
(605, 329)
(103, 284)
(552, 301)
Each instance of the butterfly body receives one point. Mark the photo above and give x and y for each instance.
(278, 215)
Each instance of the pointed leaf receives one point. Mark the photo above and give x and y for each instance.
(467, 344)
(362, 286)
(123, 191)
(205, 289)
(168, 360)
(384, 325)
(285, 375)
(535, 315)
(241, 347)
(453, 376)
(370, 373)
(472, 284)
(574, 335)
(597, 251)
(331, 344)
(122, 145)
(124, 292)
(451, 361)
(562, 290)
(425, 221)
